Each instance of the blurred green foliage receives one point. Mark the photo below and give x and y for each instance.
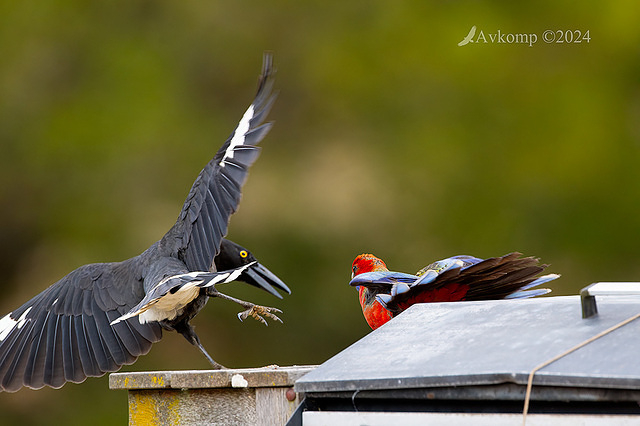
(389, 138)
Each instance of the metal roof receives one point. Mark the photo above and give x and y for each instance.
(487, 343)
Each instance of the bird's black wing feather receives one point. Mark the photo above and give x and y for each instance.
(214, 197)
(63, 334)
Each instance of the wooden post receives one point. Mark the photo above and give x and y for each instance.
(253, 396)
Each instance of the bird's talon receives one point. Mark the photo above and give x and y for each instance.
(257, 311)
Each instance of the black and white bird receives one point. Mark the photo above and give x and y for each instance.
(105, 315)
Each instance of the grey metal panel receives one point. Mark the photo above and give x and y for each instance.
(489, 342)
(498, 392)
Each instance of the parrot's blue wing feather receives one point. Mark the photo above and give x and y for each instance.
(528, 294)
(539, 281)
(525, 293)
(428, 274)
(467, 260)
(383, 278)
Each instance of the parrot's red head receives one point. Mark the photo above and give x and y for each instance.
(367, 263)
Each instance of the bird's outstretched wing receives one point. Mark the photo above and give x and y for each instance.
(215, 195)
(63, 334)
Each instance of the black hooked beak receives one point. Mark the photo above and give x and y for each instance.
(259, 276)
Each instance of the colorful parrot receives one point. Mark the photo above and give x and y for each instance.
(384, 294)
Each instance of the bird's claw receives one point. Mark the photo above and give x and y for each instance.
(257, 311)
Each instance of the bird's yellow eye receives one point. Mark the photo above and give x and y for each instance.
(243, 253)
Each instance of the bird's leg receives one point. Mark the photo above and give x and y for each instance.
(187, 331)
(215, 365)
(251, 309)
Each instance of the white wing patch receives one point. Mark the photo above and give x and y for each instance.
(7, 323)
(229, 276)
(239, 134)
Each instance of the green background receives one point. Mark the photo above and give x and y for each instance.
(389, 138)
